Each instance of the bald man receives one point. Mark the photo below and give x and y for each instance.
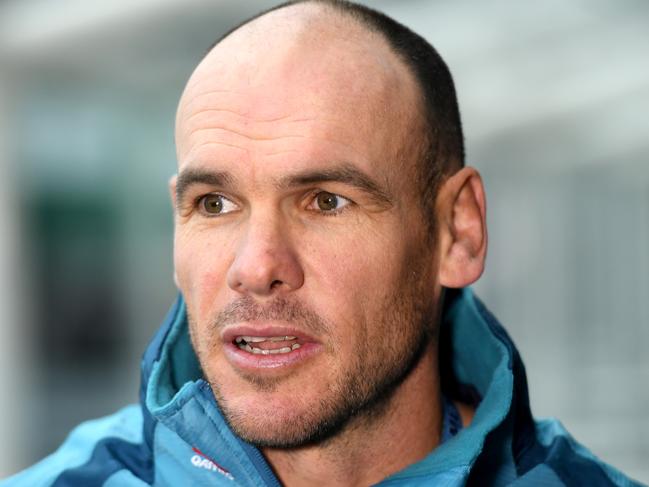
(326, 230)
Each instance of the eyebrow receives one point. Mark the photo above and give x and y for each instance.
(191, 177)
(344, 173)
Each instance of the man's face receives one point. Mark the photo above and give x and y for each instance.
(300, 245)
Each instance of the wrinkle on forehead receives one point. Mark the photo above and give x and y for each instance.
(322, 66)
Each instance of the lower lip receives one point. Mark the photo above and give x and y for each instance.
(256, 362)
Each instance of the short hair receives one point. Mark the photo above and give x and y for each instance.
(442, 150)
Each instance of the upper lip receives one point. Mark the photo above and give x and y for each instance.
(231, 332)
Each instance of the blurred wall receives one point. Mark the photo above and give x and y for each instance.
(554, 97)
(12, 339)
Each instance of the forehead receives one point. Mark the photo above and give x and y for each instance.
(303, 72)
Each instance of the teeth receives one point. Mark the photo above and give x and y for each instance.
(282, 339)
(254, 339)
(260, 351)
(251, 339)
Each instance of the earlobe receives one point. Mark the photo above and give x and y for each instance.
(462, 228)
(176, 280)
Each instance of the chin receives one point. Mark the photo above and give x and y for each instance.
(274, 420)
(294, 432)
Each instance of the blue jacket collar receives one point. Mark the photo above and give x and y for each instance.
(478, 360)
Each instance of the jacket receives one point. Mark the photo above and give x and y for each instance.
(177, 435)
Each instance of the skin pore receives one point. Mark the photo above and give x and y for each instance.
(296, 216)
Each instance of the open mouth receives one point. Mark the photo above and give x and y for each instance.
(267, 345)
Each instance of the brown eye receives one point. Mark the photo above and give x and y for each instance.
(216, 204)
(326, 201)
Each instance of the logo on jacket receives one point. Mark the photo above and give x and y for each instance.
(200, 460)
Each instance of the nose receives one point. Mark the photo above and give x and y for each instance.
(265, 263)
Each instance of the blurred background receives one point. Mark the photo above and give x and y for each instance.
(554, 97)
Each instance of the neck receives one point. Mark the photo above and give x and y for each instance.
(373, 446)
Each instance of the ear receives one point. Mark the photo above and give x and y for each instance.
(462, 228)
(172, 195)
(172, 190)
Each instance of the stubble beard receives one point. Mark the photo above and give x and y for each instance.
(359, 394)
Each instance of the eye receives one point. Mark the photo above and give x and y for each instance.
(328, 202)
(216, 204)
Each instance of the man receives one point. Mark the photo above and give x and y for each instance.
(326, 228)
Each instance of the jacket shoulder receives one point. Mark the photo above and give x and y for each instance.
(561, 460)
(92, 453)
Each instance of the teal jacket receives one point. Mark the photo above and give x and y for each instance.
(177, 436)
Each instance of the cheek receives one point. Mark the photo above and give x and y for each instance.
(201, 264)
(354, 274)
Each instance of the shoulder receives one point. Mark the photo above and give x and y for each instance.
(560, 458)
(94, 452)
